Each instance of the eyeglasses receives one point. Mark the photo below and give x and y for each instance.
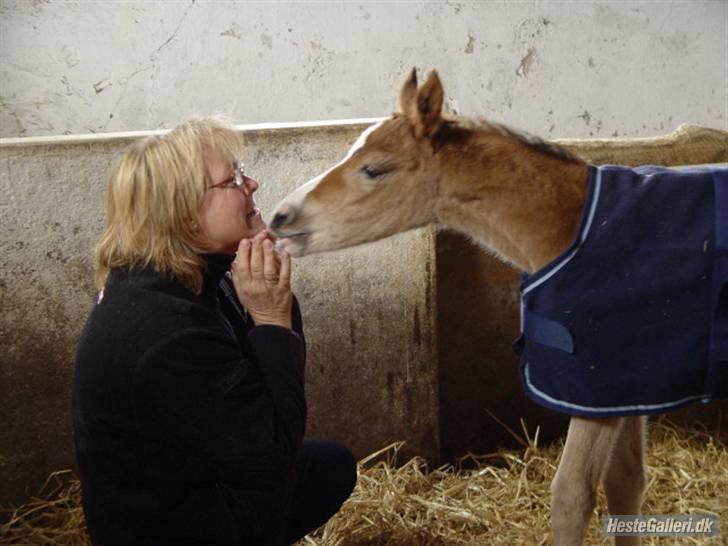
(235, 181)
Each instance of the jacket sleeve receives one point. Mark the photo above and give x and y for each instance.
(272, 347)
(213, 403)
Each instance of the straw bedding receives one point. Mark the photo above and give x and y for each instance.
(501, 498)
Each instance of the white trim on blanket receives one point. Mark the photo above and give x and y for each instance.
(556, 267)
(599, 410)
(582, 237)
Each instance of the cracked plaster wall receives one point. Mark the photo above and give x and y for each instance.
(556, 68)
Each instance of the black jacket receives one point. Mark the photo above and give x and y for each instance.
(187, 417)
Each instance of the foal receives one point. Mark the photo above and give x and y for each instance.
(520, 198)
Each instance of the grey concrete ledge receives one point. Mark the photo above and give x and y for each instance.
(260, 128)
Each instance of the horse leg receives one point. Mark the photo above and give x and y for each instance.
(624, 479)
(586, 454)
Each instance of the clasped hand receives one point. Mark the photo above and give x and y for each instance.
(262, 281)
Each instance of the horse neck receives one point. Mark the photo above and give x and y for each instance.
(522, 203)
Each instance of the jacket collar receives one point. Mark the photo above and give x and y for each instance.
(217, 266)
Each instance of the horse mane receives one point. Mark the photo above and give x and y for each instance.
(459, 129)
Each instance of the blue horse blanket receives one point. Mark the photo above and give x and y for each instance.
(633, 317)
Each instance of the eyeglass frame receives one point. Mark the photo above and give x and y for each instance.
(236, 181)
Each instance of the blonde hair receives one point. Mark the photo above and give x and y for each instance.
(153, 201)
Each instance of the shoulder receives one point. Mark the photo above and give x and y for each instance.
(146, 307)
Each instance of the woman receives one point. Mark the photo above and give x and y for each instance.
(189, 408)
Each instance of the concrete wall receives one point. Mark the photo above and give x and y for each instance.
(368, 312)
(577, 68)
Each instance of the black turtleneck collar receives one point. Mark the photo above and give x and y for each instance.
(217, 266)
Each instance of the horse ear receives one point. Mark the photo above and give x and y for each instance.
(428, 108)
(408, 92)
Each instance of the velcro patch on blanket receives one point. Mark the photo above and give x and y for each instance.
(633, 317)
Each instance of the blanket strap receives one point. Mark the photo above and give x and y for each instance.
(547, 332)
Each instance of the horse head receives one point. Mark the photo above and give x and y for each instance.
(386, 184)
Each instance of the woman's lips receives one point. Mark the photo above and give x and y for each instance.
(253, 219)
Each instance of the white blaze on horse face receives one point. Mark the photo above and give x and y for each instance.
(297, 197)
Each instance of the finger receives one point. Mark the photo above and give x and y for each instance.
(284, 274)
(270, 236)
(260, 236)
(256, 259)
(241, 264)
(270, 270)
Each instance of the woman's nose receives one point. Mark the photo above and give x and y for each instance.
(250, 185)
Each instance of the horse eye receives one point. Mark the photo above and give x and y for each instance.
(371, 173)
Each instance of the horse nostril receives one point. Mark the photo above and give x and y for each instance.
(278, 220)
(281, 218)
